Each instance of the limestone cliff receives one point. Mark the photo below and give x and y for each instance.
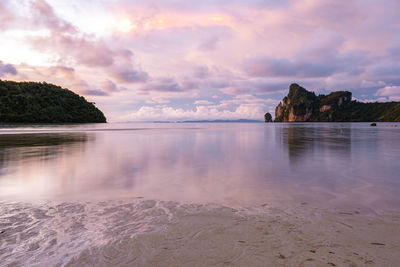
(298, 105)
(301, 105)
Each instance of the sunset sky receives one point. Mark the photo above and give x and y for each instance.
(210, 59)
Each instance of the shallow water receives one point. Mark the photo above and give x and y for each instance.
(226, 163)
(136, 194)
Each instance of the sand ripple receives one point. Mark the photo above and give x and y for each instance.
(141, 232)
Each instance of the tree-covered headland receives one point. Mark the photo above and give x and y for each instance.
(32, 102)
(302, 105)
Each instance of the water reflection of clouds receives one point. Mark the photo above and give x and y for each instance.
(228, 163)
(199, 165)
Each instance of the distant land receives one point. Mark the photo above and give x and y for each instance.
(211, 121)
(32, 102)
(301, 105)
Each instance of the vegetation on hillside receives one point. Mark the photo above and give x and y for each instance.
(44, 103)
(367, 112)
(337, 106)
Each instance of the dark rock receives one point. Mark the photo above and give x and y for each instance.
(268, 117)
(373, 124)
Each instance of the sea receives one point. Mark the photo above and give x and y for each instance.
(50, 174)
(228, 163)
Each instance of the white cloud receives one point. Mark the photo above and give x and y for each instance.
(393, 92)
(147, 113)
(380, 99)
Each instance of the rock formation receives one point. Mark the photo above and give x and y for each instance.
(268, 117)
(301, 105)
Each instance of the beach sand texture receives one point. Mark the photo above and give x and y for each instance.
(141, 232)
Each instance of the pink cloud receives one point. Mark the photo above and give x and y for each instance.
(43, 14)
(209, 44)
(203, 102)
(5, 15)
(163, 85)
(129, 76)
(72, 46)
(182, 51)
(109, 86)
(63, 71)
(95, 92)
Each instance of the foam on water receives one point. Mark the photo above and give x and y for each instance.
(139, 232)
(52, 233)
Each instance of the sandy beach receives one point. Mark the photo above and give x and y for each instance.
(140, 232)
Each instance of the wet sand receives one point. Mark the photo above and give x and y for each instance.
(140, 232)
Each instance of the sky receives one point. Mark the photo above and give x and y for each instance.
(170, 60)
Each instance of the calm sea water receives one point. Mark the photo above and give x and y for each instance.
(227, 163)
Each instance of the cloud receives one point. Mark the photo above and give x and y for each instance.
(256, 86)
(380, 99)
(73, 46)
(109, 86)
(147, 113)
(371, 84)
(94, 92)
(5, 15)
(157, 100)
(322, 65)
(176, 52)
(7, 69)
(168, 85)
(206, 6)
(203, 102)
(394, 49)
(282, 67)
(209, 44)
(247, 100)
(201, 72)
(66, 40)
(385, 69)
(63, 71)
(81, 86)
(130, 76)
(78, 49)
(43, 14)
(392, 92)
(333, 14)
